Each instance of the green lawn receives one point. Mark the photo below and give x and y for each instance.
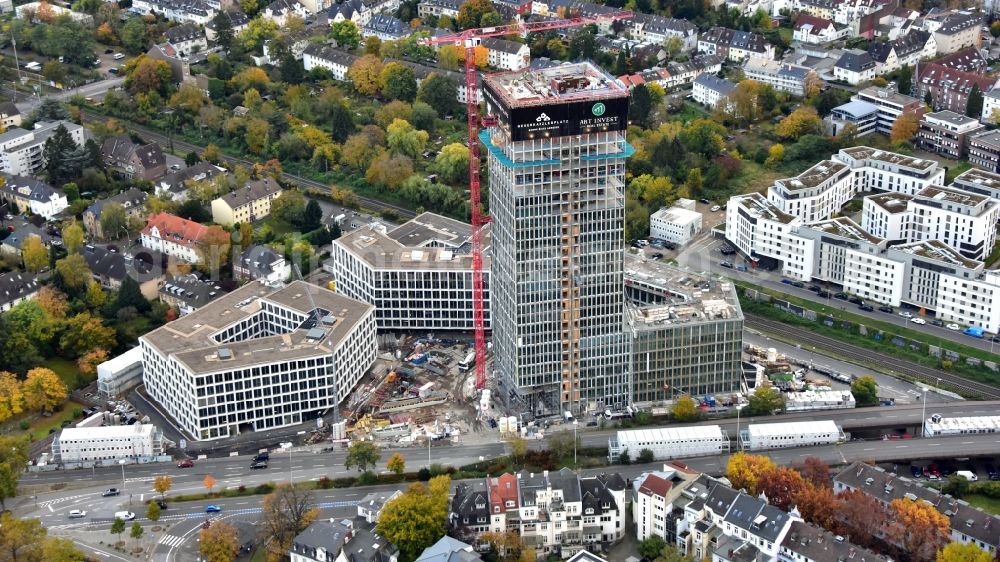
(753, 177)
(690, 112)
(986, 503)
(40, 425)
(68, 372)
(955, 170)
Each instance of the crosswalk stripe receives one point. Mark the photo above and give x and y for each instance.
(171, 540)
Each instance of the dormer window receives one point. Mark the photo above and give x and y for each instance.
(496, 509)
(510, 503)
(589, 511)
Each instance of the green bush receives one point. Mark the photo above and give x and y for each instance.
(264, 488)
(324, 483)
(423, 474)
(24, 425)
(345, 482)
(368, 478)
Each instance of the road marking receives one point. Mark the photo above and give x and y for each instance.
(871, 449)
(967, 442)
(938, 444)
(50, 508)
(172, 540)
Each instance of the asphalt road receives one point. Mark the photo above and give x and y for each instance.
(703, 255)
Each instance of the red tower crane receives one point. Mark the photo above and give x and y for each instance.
(469, 39)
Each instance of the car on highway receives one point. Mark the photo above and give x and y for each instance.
(77, 514)
(212, 509)
(162, 504)
(918, 321)
(110, 492)
(953, 326)
(186, 463)
(124, 515)
(263, 456)
(887, 309)
(257, 465)
(906, 314)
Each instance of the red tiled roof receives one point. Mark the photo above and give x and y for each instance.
(177, 230)
(653, 485)
(502, 489)
(951, 79)
(817, 23)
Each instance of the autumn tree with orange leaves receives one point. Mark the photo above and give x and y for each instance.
(781, 485)
(918, 528)
(744, 470)
(816, 505)
(860, 516)
(816, 472)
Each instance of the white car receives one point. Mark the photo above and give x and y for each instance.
(919, 321)
(124, 515)
(953, 326)
(77, 514)
(716, 209)
(906, 314)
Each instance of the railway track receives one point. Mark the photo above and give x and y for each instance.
(928, 375)
(151, 135)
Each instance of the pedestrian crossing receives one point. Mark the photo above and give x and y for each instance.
(47, 503)
(171, 540)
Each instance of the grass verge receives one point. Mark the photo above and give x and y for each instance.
(986, 503)
(68, 372)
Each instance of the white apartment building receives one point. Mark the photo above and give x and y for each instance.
(816, 193)
(653, 500)
(881, 170)
(971, 302)
(198, 12)
(758, 228)
(179, 238)
(709, 89)
(506, 55)
(886, 215)
(258, 359)
(962, 220)
(831, 239)
(33, 196)
(418, 275)
(108, 443)
(875, 278)
(978, 181)
(675, 224)
(790, 78)
(991, 107)
(925, 262)
(322, 56)
(21, 151)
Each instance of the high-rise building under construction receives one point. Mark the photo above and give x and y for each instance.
(557, 200)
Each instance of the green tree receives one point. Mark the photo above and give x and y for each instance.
(43, 390)
(63, 158)
(34, 254)
(129, 294)
(974, 106)
(651, 547)
(669, 553)
(685, 410)
(418, 518)
(312, 217)
(21, 539)
(346, 34)
(118, 527)
(85, 332)
(957, 485)
(136, 532)
(286, 512)
(366, 75)
(133, 35)
(865, 391)
(54, 71)
(223, 30)
(640, 106)
(73, 271)
(397, 464)
(765, 401)
(439, 91)
(582, 44)
(452, 163)
(73, 237)
(257, 32)
(645, 456)
(964, 552)
(289, 207)
(153, 511)
(13, 460)
(219, 543)
(398, 82)
(471, 12)
(363, 455)
(405, 139)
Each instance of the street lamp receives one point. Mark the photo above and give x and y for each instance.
(122, 463)
(575, 425)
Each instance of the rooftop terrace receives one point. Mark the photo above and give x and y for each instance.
(943, 194)
(690, 297)
(938, 251)
(892, 202)
(563, 83)
(845, 228)
(896, 159)
(814, 176)
(428, 241)
(758, 205)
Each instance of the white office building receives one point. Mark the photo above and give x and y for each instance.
(108, 443)
(21, 151)
(962, 220)
(258, 359)
(670, 442)
(886, 215)
(120, 374)
(764, 436)
(675, 224)
(418, 275)
(861, 115)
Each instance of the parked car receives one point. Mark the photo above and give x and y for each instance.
(815, 288)
(124, 515)
(887, 309)
(866, 307)
(704, 201)
(906, 314)
(727, 250)
(110, 492)
(798, 284)
(916, 471)
(842, 296)
(715, 209)
(823, 294)
(855, 300)
(918, 321)
(726, 264)
(953, 326)
(186, 463)
(786, 281)
(937, 322)
(995, 339)
(212, 509)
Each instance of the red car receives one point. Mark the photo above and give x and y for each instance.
(186, 463)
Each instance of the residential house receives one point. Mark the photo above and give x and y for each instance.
(653, 495)
(33, 196)
(321, 541)
(17, 287)
(991, 106)
(657, 30)
(370, 507)
(905, 51)
(790, 78)
(968, 59)
(263, 264)
(817, 8)
(709, 90)
(132, 161)
(198, 12)
(278, 11)
(133, 200)
(316, 6)
(948, 88)
(352, 11)
(188, 293)
(386, 28)
(13, 244)
(175, 185)
(808, 543)
(891, 104)
(10, 115)
(22, 151)
(448, 549)
(368, 546)
(847, 12)
(247, 204)
(969, 525)
(179, 238)
(110, 269)
(862, 115)
(322, 56)
(736, 46)
(507, 55)
(984, 151)
(187, 39)
(438, 8)
(237, 19)
(180, 69)
(947, 133)
(954, 30)
(854, 67)
(815, 31)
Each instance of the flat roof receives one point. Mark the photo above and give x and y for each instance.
(845, 228)
(189, 339)
(792, 429)
(426, 242)
(894, 158)
(939, 193)
(652, 435)
(977, 176)
(938, 251)
(815, 175)
(677, 215)
(988, 137)
(951, 117)
(106, 432)
(123, 361)
(688, 297)
(971, 422)
(530, 86)
(758, 205)
(857, 108)
(891, 202)
(887, 94)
